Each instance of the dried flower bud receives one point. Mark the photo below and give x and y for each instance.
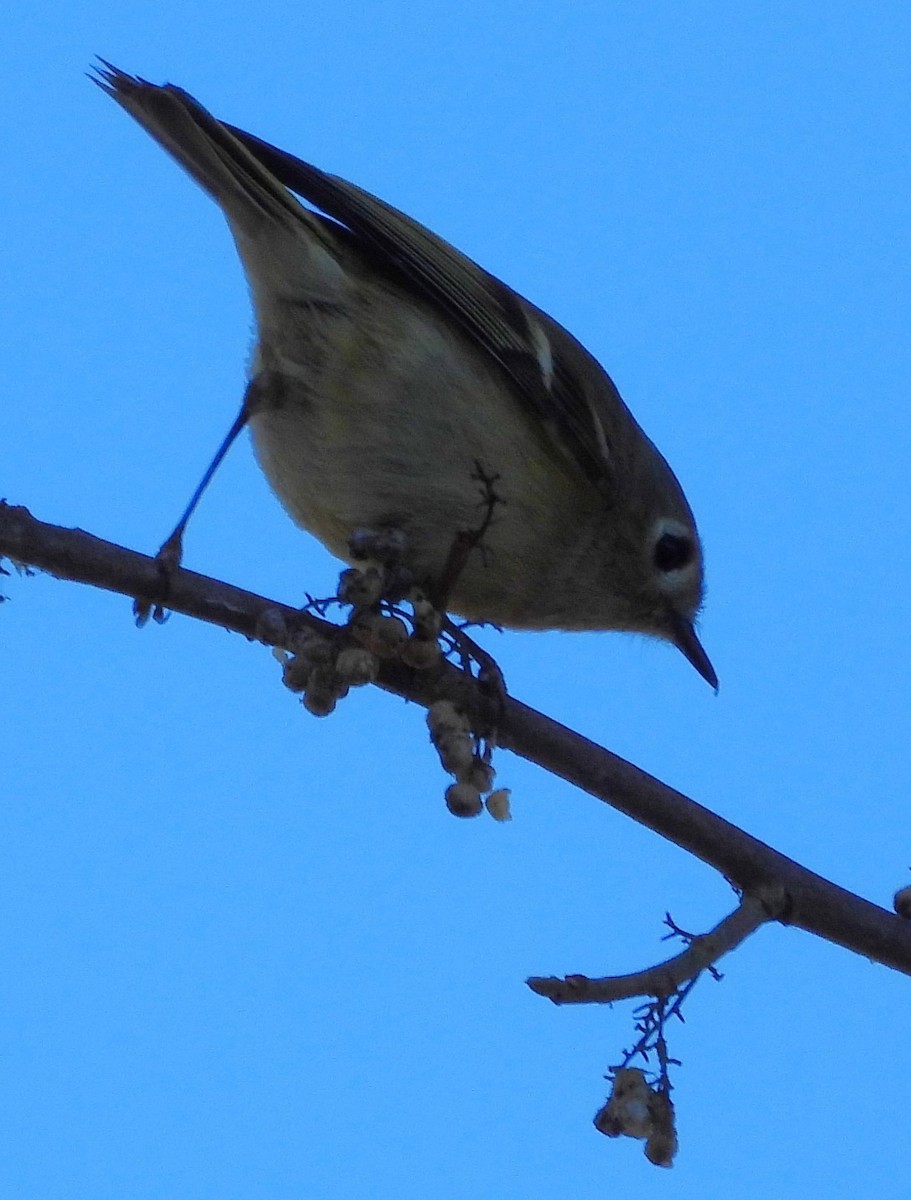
(360, 588)
(443, 715)
(627, 1109)
(662, 1141)
(319, 702)
(420, 652)
(497, 804)
(356, 666)
(661, 1149)
(479, 774)
(384, 636)
(428, 620)
(462, 800)
(313, 648)
(295, 672)
(636, 1110)
(456, 751)
(324, 690)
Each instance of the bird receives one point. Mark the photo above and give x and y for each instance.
(395, 385)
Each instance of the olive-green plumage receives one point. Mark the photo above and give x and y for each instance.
(389, 368)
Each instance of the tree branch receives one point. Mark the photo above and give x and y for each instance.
(812, 903)
(667, 977)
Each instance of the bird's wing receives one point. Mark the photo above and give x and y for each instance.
(565, 386)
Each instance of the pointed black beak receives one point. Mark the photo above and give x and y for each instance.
(686, 641)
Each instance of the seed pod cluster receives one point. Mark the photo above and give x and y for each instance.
(636, 1109)
(451, 736)
(324, 671)
(387, 636)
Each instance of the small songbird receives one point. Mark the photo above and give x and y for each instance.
(391, 374)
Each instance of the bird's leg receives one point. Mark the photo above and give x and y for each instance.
(170, 553)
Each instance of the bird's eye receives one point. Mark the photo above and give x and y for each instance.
(672, 551)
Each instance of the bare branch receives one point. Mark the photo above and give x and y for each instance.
(667, 977)
(812, 903)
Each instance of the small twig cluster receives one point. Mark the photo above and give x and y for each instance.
(689, 940)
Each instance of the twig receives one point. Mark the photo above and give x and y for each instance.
(667, 977)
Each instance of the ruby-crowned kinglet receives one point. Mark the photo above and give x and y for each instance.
(390, 372)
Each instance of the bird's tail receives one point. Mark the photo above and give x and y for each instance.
(245, 190)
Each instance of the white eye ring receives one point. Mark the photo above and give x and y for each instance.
(674, 551)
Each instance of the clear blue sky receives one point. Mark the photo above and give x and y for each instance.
(249, 954)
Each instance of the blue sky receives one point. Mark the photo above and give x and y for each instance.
(247, 953)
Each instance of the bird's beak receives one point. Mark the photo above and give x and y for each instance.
(684, 638)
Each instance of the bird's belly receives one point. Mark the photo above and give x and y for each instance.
(366, 440)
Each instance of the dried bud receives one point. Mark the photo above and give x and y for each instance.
(662, 1141)
(443, 715)
(313, 648)
(480, 774)
(384, 636)
(428, 620)
(319, 702)
(462, 800)
(420, 652)
(357, 666)
(661, 1149)
(456, 751)
(360, 588)
(627, 1109)
(324, 690)
(295, 673)
(497, 804)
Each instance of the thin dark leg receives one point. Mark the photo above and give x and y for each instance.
(171, 551)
